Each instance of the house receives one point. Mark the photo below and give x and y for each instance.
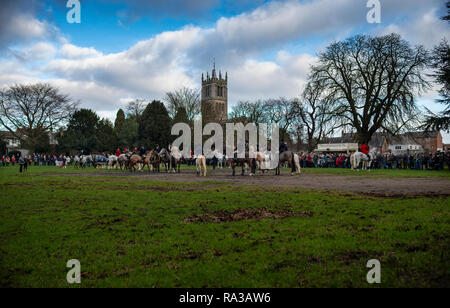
(344, 144)
(402, 144)
(383, 142)
(430, 141)
(13, 143)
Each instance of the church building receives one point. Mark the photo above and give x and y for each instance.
(214, 98)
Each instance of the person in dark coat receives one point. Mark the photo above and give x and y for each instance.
(283, 147)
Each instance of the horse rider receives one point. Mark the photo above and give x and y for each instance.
(364, 149)
(158, 148)
(283, 147)
(118, 152)
(142, 151)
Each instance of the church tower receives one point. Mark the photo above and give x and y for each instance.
(214, 98)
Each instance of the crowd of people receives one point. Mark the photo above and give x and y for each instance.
(416, 161)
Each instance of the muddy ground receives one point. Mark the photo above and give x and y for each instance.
(376, 186)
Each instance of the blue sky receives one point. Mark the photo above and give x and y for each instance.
(141, 49)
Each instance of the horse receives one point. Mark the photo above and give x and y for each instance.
(154, 160)
(164, 157)
(287, 157)
(251, 162)
(359, 157)
(201, 165)
(113, 162)
(85, 160)
(146, 161)
(175, 159)
(123, 161)
(135, 160)
(262, 161)
(76, 161)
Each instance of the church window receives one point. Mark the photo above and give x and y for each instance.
(219, 91)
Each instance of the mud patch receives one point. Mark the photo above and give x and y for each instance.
(246, 214)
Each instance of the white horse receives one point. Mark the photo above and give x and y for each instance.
(113, 162)
(84, 160)
(201, 165)
(263, 161)
(359, 157)
(76, 161)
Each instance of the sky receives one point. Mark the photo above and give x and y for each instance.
(123, 50)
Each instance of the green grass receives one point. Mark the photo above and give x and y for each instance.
(131, 232)
(395, 173)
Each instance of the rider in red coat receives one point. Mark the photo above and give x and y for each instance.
(117, 152)
(364, 149)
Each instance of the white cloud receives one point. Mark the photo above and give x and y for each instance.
(428, 29)
(75, 52)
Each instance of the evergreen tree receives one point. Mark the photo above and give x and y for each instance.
(106, 136)
(128, 136)
(155, 126)
(120, 119)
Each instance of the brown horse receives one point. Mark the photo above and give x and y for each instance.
(155, 160)
(242, 161)
(147, 161)
(286, 157)
(135, 161)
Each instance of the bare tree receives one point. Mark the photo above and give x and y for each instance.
(249, 112)
(135, 108)
(281, 111)
(185, 97)
(374, 81)
(30, 111)
(314, 116)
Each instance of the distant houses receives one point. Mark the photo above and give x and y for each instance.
(13, 144)
(415, 142)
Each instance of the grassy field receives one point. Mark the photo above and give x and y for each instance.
(133, 232)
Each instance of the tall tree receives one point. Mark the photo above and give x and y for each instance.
(87, 132)
(313, 114)
(441, 66)
(282, 112)
(187, 98)
(106, 136)
(374, 81)
(249, 112)
(128, 136)
(30, 111)
(118, 123)
(155, 125)
(181, 117)
(135, 108)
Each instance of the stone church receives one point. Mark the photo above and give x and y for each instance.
(214, 98)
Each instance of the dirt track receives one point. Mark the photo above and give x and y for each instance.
(379, 186)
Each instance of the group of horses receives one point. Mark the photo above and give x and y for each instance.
(172, 159)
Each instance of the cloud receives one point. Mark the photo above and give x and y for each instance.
(427, 29)
(70, 51)
(18, 23)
